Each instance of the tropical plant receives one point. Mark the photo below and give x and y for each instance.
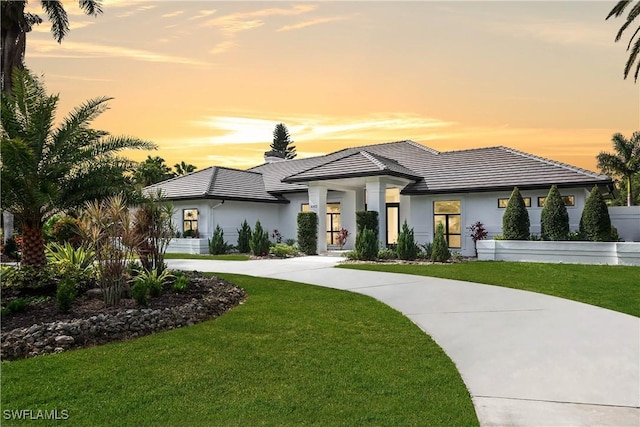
(47, 169)
(282, 142)
(308, 232)
(16, 24)
(406, 249)
(595, 223)
(367, 245)
(181, 284)
(259, 241)
(554, 219)
(153, 229)
(153, 281)
(342, 237)
(633, 47)
(244, 238)
(439, 249)
(183, 168)
(515, 221)
(478, 232)
(82, 258)
(217, 245)
(625, 162)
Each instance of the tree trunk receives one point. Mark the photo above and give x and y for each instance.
(14, 27)
(629, 192)
(33, 245)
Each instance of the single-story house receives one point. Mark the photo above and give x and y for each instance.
(400, 180)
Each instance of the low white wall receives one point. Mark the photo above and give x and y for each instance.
(613, 253)
(188, 246)
(627, 220)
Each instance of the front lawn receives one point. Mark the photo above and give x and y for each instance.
(293, 354)
(226, 257)
(610, 286)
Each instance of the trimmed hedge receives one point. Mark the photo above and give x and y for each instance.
(595, 223)
(308, 232)
(554, 220)
(515, 221)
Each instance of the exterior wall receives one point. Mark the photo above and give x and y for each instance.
(627, 220)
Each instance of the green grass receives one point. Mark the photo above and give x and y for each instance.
(226, 257)
(609, 286)
(293, 354)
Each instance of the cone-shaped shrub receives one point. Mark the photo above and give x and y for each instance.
(554, 220)
(367, 219)
(515, 221)
(259, 241)
(244, 237)
(217, 245)
(308, 232)
(440, 250)
(406, 248)
(595, 223)
(367, 245)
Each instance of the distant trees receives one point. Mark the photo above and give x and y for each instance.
(632, 47)
(282, 142)
(154, 170)
(625, 162)
(183, 168)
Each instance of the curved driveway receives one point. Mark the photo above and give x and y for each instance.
(527, 359)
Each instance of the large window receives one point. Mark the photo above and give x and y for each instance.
(333, 221)
(447, 212)
(190, 222)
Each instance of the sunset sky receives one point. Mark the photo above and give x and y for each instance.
(208, 81)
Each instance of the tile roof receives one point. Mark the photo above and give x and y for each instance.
(217, 183)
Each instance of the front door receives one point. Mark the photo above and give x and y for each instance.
(393, 223)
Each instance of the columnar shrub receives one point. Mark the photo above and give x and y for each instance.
(367, 245)
(554, 220)
(515, 221)
(367, 219)
(259, 241)
(244, 238)
(406, 248)
(595, 223)
(217, 245)
(439, 248)
(308, 232)
(65, 294)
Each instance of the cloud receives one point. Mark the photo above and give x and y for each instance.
(317, 21)
(135, 11)
(48, 48)
(203, 14)
(222, 47)
(242, 21)
(172, 14)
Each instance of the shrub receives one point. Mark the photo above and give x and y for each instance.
(351, 255)
(478, 232)
(11, 249)
(276, 236)
(152, 230)
(290, 242)
(244, 238)
(217, 245)
(259, 241)
(67, 230)
(281, 250)
(426, 250)
(139, 292)
(367, 245)
(65, 294)
(308, 232)
(367, 219)
(29, 281)
(440, 249)
(387, 253)
(181, 284)
(515, 221)
(554, 220)
(406, 249)
(153, 281)
(342, 237)
(14, 306)
(595, 223)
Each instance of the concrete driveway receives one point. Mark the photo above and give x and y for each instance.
(527, 359)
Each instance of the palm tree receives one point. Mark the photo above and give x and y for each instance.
(625, 162)
(618, 10)
(47, 169)
(183, 168)
(16, 24)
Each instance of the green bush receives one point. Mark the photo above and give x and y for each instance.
(426, 250)
(65, 294)
(67, 229)
(140, 292)
(595, 223)
(351, 255)
(259, 241)
(387, 253)
(154, 281)
(515, 221)
(244, 238)
(31, 281)
(367, 219)
(406, 249)
(11, 249)
(308, 232)
(440, 250)
(217, 245)
(554, 220)
(14, 306)
(181, 284)
(281, 250)
(367, 245)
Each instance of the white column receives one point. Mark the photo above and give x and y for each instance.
(318, 204)
(405, 210)
(376, 201)
(348, 216)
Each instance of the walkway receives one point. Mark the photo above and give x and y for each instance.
(527, 359)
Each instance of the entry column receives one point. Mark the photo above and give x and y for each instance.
(376, 201)
(318, 204)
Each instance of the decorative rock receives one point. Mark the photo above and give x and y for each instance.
(64, 340)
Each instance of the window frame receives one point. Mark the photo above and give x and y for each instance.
(447, 216)
(571, 204)
(506, 200)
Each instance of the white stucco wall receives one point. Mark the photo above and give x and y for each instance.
(627, 220)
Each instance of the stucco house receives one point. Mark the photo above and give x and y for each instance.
(400, 180)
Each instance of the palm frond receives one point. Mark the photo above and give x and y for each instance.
(91, 7)
(78, 120)
(58, 17)
(112, 144)
(619, 8)
(633, 14)
(633, 55)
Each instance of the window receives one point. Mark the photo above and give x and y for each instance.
(568, 201)
(190, 222)
(448, 214)
(333, 221)
(503, 202)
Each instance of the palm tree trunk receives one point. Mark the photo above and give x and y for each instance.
(629, 192)
(33, 245)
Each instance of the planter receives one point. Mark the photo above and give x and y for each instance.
(612, 253)
(188, 245)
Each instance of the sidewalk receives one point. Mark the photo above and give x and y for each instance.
(527, 359)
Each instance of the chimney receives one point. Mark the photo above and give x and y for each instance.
(273, 157)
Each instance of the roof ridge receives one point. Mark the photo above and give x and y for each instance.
(373, 158)
(238, 170)
(424, 147)
(462, 150)
(179, 176)
(552, 162)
